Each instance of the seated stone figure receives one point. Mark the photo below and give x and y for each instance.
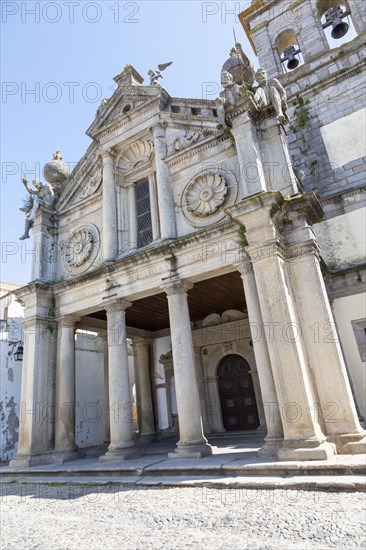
(271, 93)
(229, 96)
(42, 194)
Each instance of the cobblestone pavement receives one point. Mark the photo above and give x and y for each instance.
(38, 516)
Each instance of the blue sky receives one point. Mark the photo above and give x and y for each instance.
(58, 59)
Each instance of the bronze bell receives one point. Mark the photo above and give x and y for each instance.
(340, 28)
(293, 62)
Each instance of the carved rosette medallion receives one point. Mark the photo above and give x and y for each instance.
(205, 194)
(79, 247)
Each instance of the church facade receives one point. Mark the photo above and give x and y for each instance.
(222, 238)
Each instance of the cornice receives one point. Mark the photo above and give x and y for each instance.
(195, 149)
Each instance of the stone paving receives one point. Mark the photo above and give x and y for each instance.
(67, 516)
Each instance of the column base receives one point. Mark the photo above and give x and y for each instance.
(271, 446)
(27, 461)
(59, 457)
(349, 444)
(191, 449)
(120, 453)
(147, 438)
(305, 449)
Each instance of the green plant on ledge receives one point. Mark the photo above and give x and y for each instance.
(173, 260)
(242, 238)
(302, 111)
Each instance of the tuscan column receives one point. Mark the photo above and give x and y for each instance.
(274, 437)
(109, 233)
(192, 443)
(120, 398)
(164, 187)
(36, 411)
(142, 373)
(65, 388)
(107, 434)
(319, 332)
(303, 437)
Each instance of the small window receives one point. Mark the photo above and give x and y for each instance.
(214, 112)
(359, 329)
(196, 111)
(175, 109)
(126, 108)
(143, 207)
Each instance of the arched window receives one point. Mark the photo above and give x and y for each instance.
(336, 20)
(288, 48)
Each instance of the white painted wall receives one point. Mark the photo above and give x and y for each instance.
(90, 406)
(345, 138)
(342, 239)
(346, 310)
(161, 347)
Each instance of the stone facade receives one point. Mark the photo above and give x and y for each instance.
(196, 229)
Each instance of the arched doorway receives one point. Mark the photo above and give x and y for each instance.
(238, 403)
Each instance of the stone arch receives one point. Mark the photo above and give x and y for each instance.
(284, 41)
(323, 6)
(211, 358)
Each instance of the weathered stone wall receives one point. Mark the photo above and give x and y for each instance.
(11, 336)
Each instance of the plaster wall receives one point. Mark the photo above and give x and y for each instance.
(342, 239)
(345, 138)
(346, 310)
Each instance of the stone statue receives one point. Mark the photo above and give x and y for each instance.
(271, 93)
(103, 103)
(57, 156)
(158, 73)
(229, 96)
(42, 194)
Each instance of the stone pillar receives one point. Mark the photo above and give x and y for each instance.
(202, 390)
(143, 382)
(303, 437)
(109, 233)
(153, 208)
(192, 443)
(120, 399)
(133, 217)
(107, 432)
(274, 437)
(65, 446)
(249, 155)
(35, 415)
(319, 332)
(164, 187)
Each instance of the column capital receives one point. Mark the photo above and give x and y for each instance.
(175, 285)
(108, 154)
(158, 129)
(245, 266)
(67, 320)
(117, 305)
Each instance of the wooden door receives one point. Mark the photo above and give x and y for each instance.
(238, 403)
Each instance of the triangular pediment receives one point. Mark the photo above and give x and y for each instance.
(84, 182)
(129, 95)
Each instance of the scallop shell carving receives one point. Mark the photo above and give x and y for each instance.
(205, 194)
(139, 153)
(79, 247)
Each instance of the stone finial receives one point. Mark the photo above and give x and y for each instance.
(129, 77)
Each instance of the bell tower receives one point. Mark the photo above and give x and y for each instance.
(285, 34)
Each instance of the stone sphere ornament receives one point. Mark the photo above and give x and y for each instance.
(56, 171)
(205, 194)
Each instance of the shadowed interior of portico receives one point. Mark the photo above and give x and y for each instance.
(214, 295)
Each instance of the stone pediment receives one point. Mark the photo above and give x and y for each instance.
(84, 182)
